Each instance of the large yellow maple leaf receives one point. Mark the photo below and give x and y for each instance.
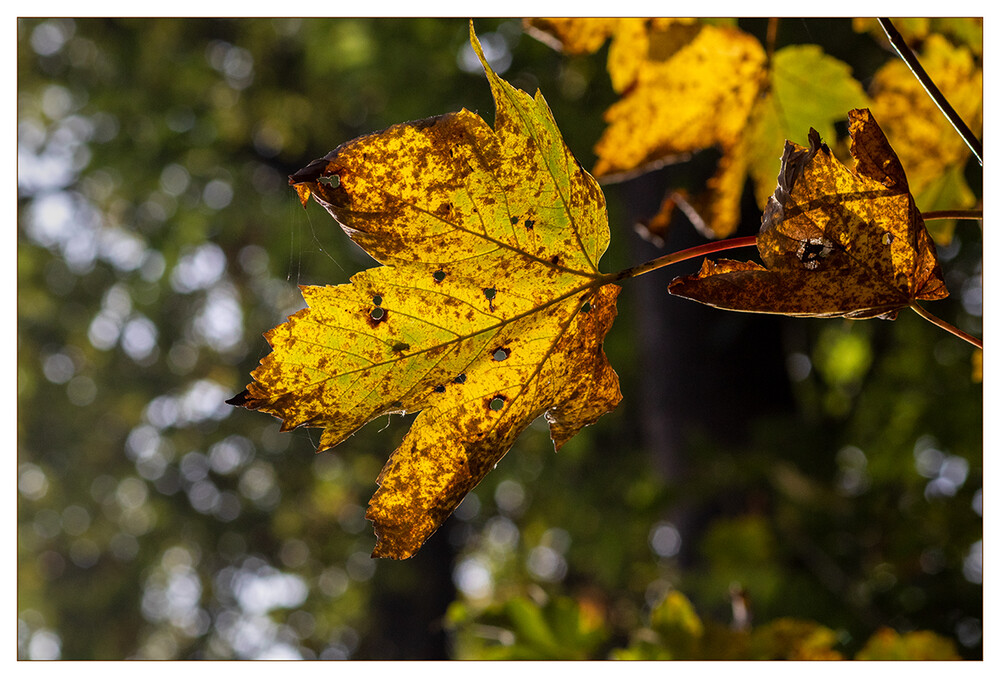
(488, 310)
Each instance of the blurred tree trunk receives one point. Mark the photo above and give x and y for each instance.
(408, 603)
(705, 372)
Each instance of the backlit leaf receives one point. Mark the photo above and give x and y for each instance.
(808, 88)
(686, 86)
(833, 242)
(488, 310)
(932, 153)
(966, 31)
(794, 639)
(888, 645)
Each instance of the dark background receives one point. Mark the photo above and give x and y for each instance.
(831, 470)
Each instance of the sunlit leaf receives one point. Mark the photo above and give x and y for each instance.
(686, 86)
(888, 644)
(679, 626)
(833, 242)
(931, 151)
(794, 639)
(488, 311)
(808, 88)
(572, 36)
(966, 31)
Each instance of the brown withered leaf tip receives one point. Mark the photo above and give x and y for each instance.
(833, 242)
(488, 310)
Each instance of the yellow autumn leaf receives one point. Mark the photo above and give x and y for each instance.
(795, 640)
(914, 30)
(488, 310)
(686, 86)
(887, 644)
(834, 242)
(932, 153)
(570, 35)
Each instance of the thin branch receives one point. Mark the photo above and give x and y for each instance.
(947, 327)
(952, 214)
(772, 37)
(907, 55)
(684, 255)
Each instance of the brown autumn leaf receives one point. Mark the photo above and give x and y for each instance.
(488, 312)
(833, 242)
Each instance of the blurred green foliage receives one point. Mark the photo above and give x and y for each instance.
(833, 475)
(564, 629)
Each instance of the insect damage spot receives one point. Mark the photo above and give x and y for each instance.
(377, 315)
(496, 402)
(586, 307)
(439, 388)
(555, 260)
(888, 238)
(490, 293)
(501, 354)
(439, 275)
(513, 220)
(529, 224)
(333, 181)
(400, 346)
(460, 379)
(377, 300)
(812, 251)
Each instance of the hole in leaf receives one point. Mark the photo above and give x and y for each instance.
(378, 314)
(497, 403)
(529, 224)
(586, 307)
(501, 354)
(460, 379)
(400, 346)
(439, 276)
(888, 238)
(439, 388)
(555, 260)
(813, 250)
(333, 181)
(377, 300)
(490, 292)
(513, 220)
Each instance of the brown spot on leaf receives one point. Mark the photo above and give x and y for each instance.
(377, 316)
